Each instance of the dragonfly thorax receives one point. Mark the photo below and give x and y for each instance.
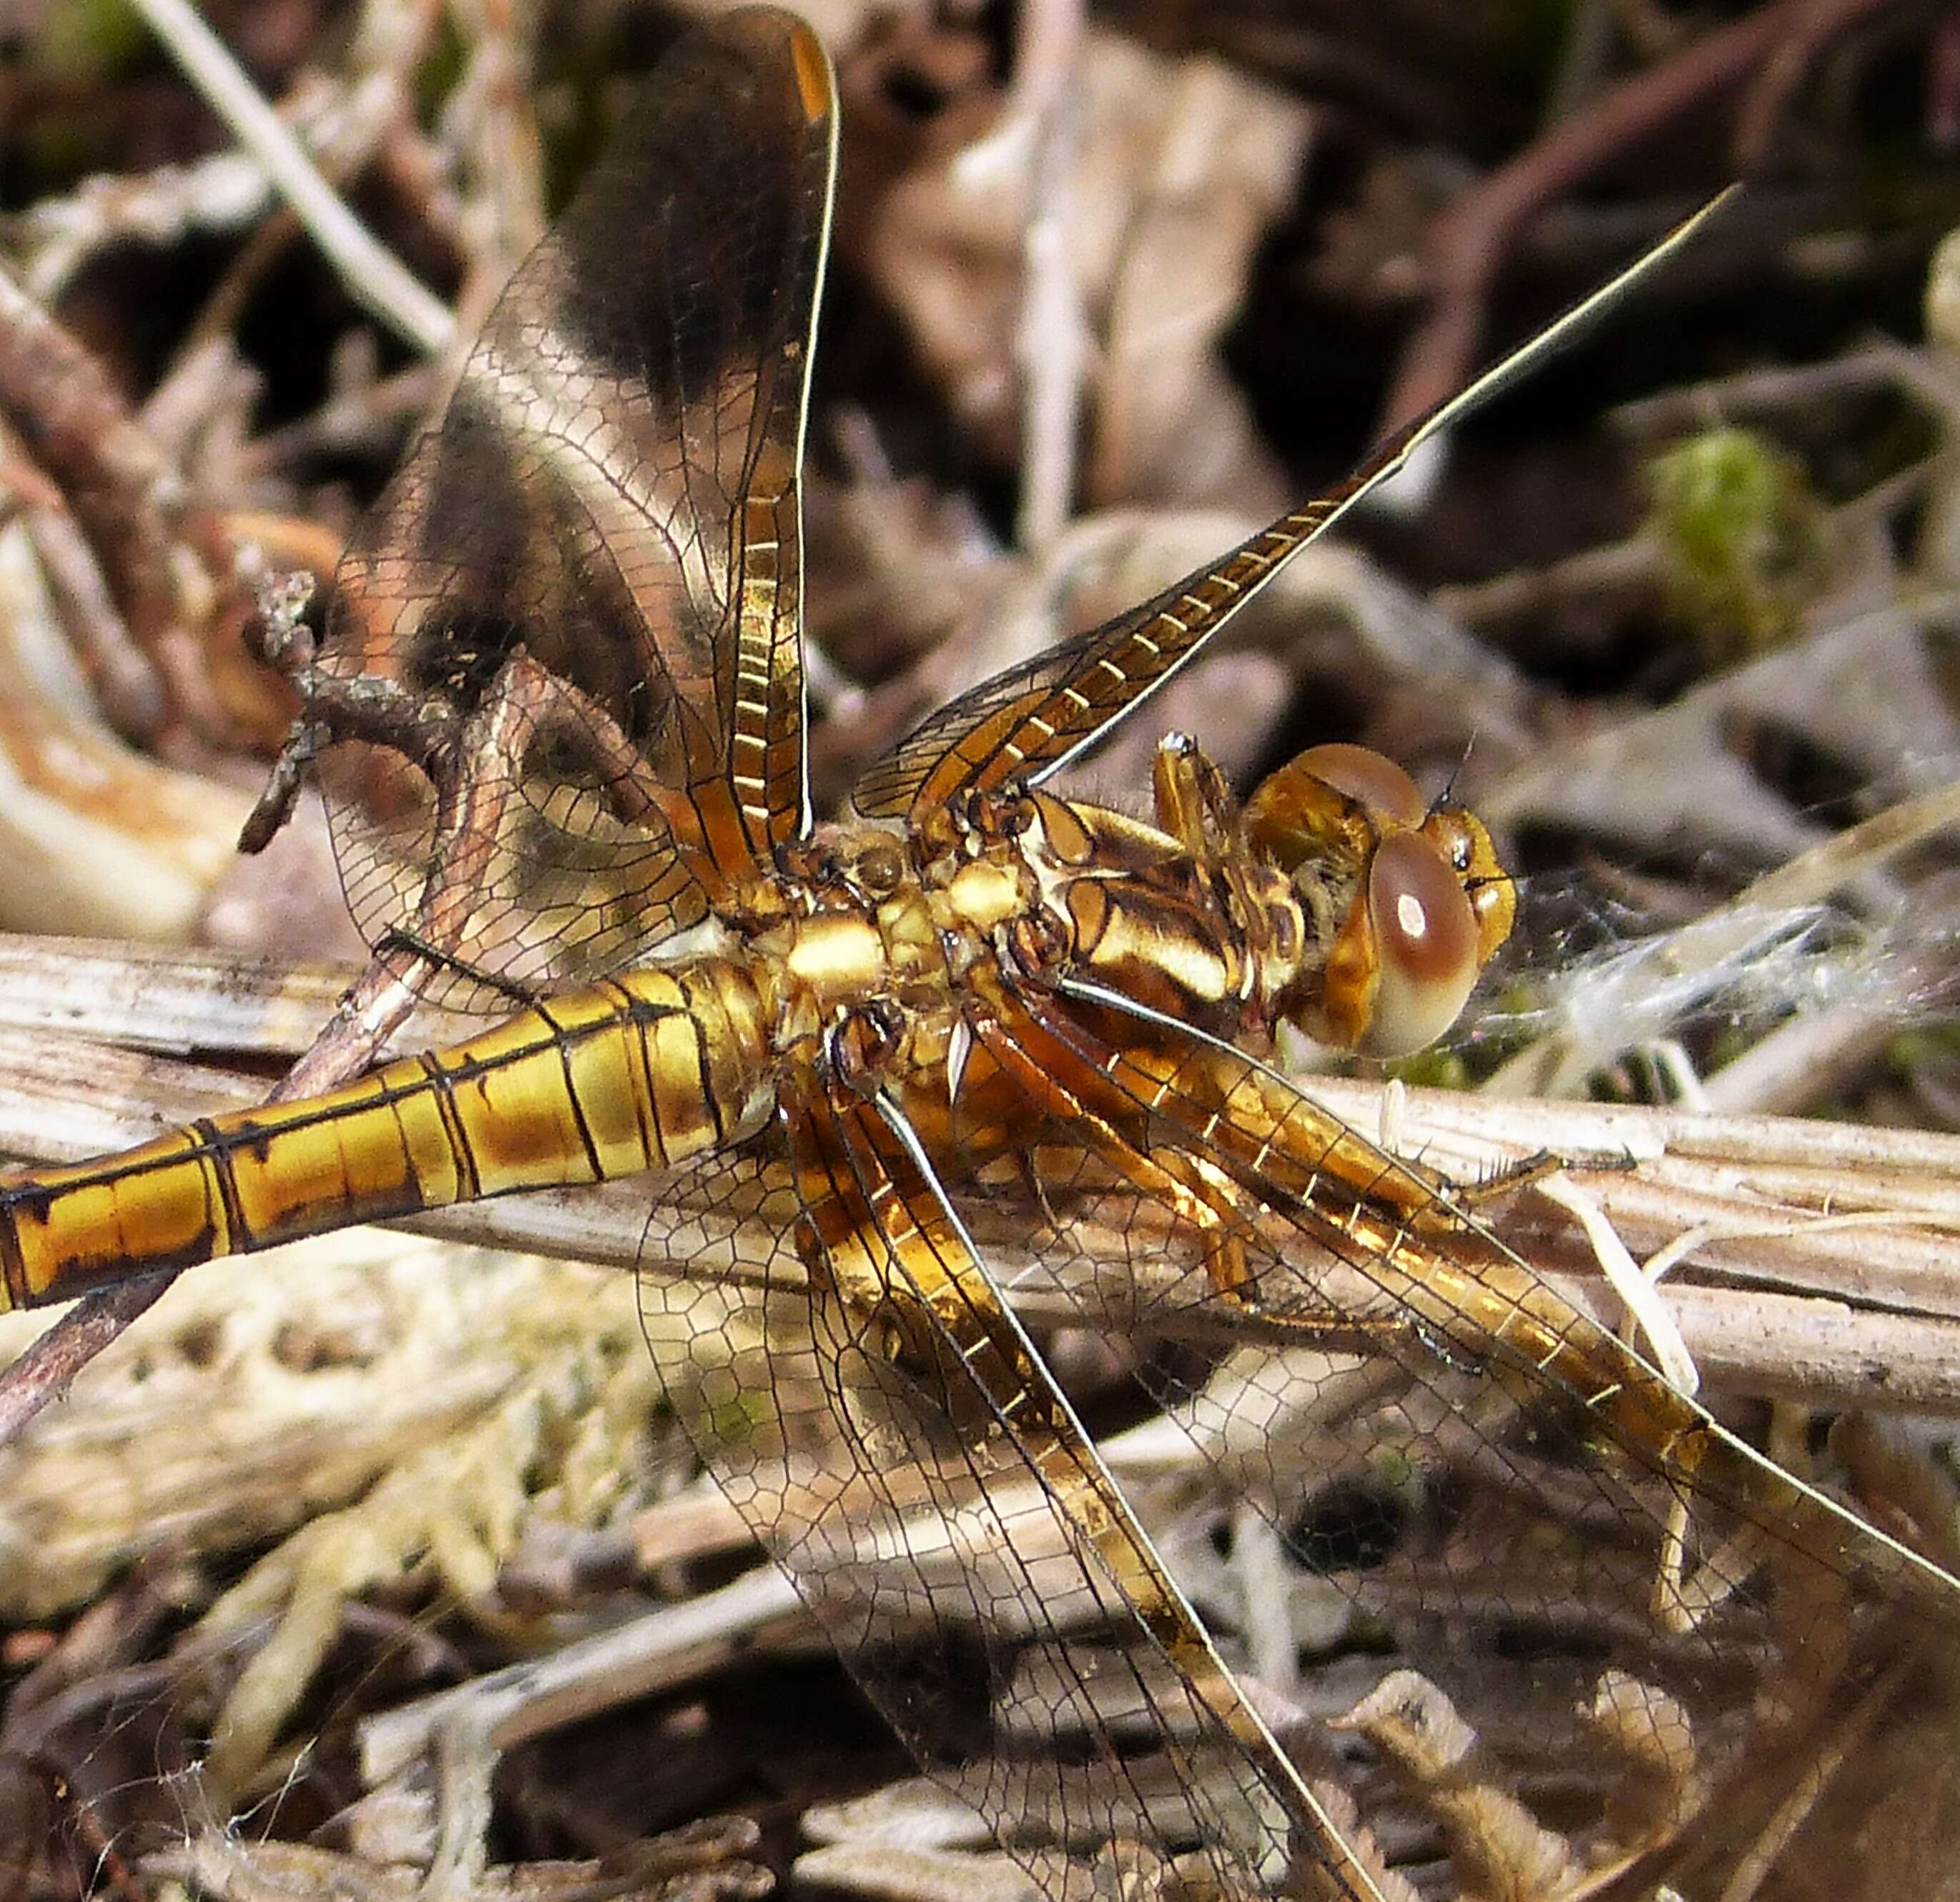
(841, 924)
(1080, 891)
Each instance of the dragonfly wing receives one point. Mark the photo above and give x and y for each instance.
(585, 583)
(894, 1442)
(1539, 1519)
(1029, 722)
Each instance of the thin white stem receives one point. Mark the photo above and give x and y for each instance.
(1051, 334)
(374, 274)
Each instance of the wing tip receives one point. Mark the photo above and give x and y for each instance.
(811, 66)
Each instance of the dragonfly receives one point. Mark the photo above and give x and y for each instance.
(558, 713)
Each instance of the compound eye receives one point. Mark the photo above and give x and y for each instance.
(1371, 779)
(1426, 941)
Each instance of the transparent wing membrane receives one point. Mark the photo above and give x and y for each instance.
(578, 604)
(896, 1446)
(1586, 1566)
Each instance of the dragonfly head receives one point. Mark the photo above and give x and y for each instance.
(1408, 899)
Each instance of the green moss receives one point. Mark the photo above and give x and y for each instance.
(1740, 530)
(76, 47)
(88, 40)
(1912, 1050)
(1435, 1068)
(441, 68)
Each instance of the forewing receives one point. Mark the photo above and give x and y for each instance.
(1030, 721)
(587, 579)
(921, 1478)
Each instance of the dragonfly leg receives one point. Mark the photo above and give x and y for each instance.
(1478, 1193)
(400, 937)
(1194, 804)
(1213, 1206)
(1223, 1255)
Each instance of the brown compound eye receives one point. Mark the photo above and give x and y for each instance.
(1370, 778)
(1427, 944)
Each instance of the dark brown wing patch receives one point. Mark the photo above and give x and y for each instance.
(589, 574)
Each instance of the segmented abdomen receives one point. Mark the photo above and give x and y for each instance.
(627, 1075)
